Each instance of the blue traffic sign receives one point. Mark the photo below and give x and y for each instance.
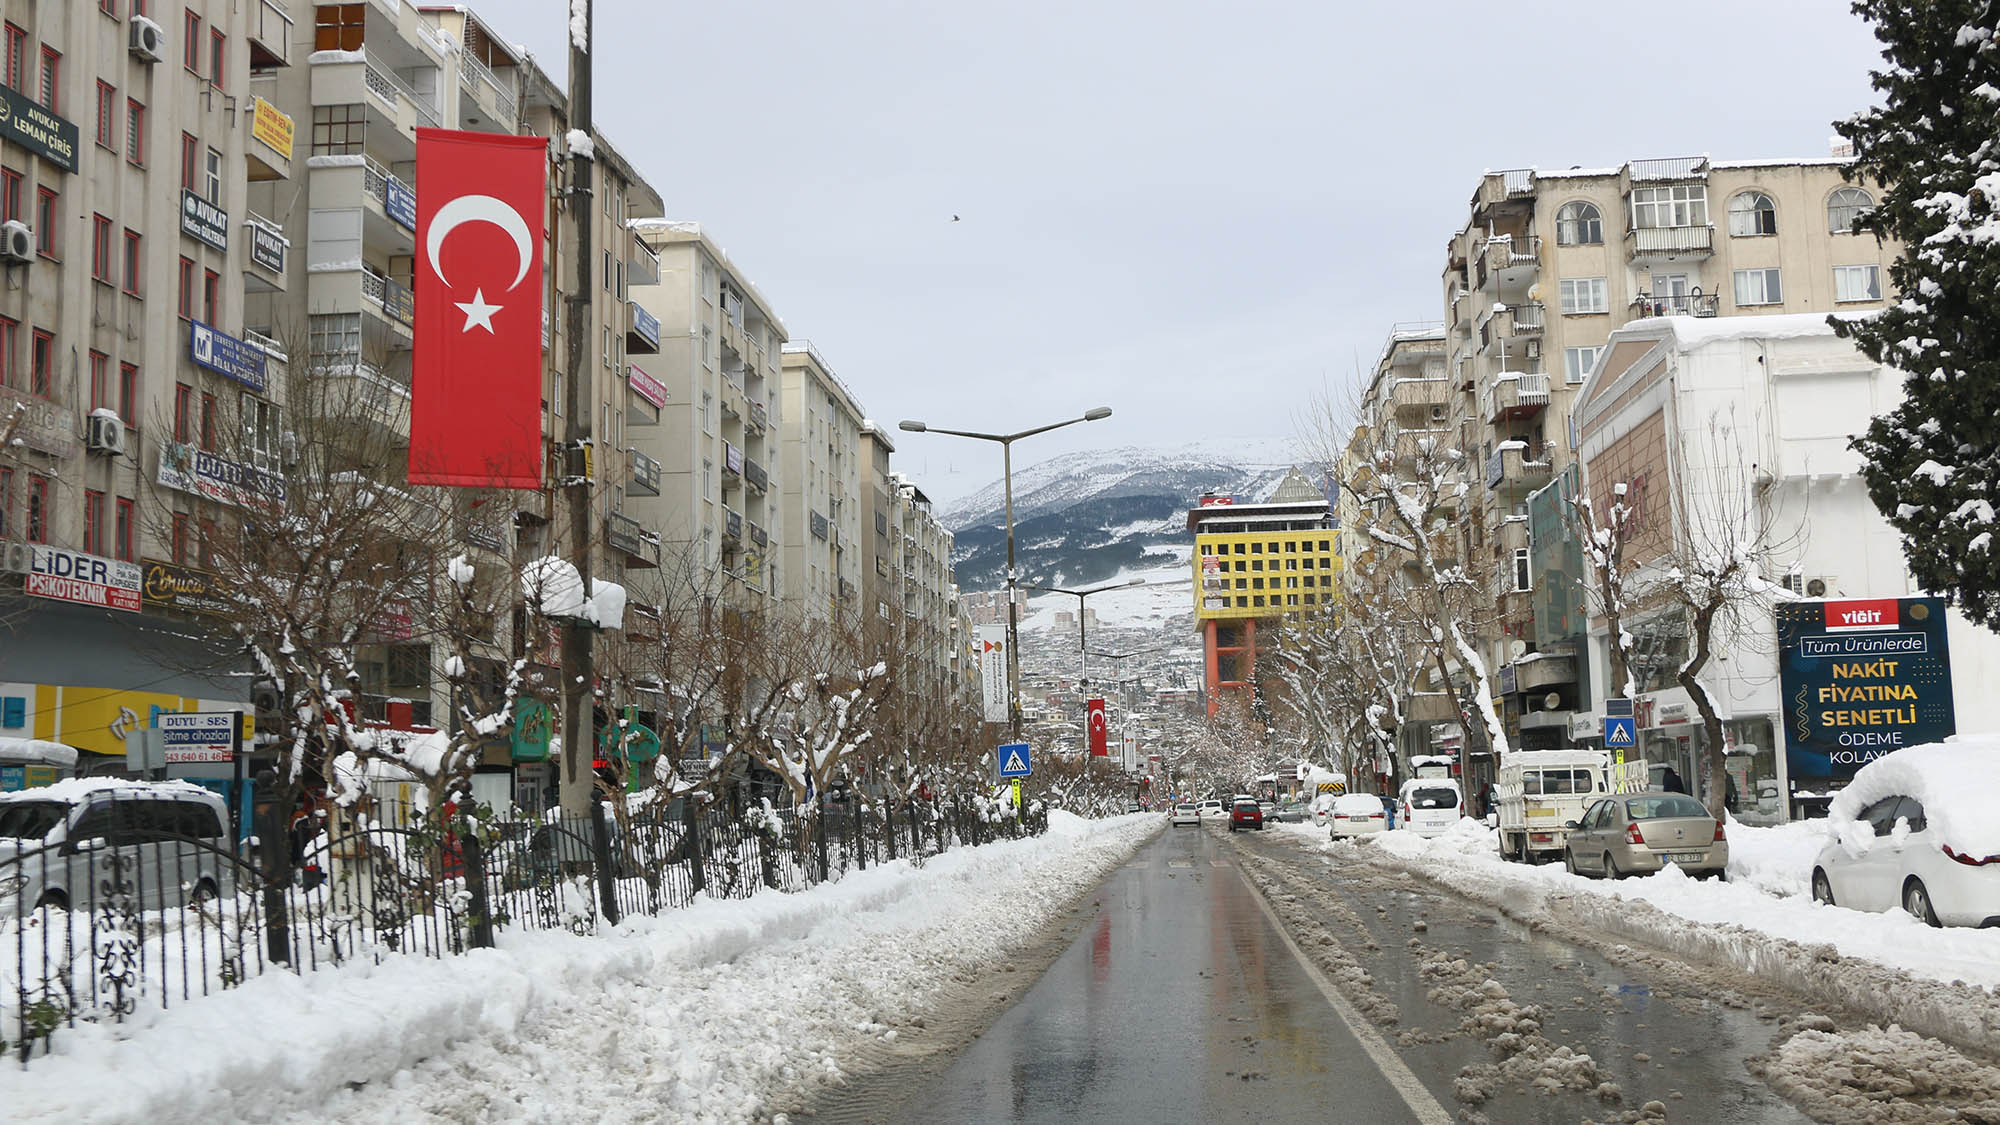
(1013, 759)
(1619, 731)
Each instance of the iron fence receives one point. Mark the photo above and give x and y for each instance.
(123, 899)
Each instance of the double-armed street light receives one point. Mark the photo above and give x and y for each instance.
(1007, 477)
(1082, 646)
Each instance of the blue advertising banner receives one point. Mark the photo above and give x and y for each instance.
(226, 355)
(1860, 679)
(400, 201)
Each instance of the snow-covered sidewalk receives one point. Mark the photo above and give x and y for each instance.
(702, 1014)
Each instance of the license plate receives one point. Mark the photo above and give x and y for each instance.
(1685, 858)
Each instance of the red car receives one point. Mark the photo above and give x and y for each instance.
(1246, 813)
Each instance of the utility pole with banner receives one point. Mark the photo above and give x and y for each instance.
(578, 780)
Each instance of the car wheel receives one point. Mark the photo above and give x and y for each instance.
(202, 895)
(52, 900)
(1822, 887)
(1569, 862)
(1917, 902)
(1611, 868)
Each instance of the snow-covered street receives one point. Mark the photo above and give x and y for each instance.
(719, 1012)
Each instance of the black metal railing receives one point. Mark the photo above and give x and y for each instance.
(128, 900)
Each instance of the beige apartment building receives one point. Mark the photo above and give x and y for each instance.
(132, 140)
(1548, 264)
(717, 443)
(823, 504)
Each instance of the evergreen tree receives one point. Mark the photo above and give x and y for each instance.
(1933, 464)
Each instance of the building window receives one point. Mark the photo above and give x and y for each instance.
(189, 169)
(334, 336)
(51, 80)
(707, 413)
(185, 303)
(1579, 224)
(213, 181)
(128, 393)
(218, 52)
(10, 195)
(1679, 205)
(6, 502)
(107, 115)
(17, 56)
(339, 27)
(338, 129)
(183, 412)
(1523, 579)
(100, 381)
(100, 250)
(1578, 362)
(208, 422)
(182, 533)
(1584, 295)
(46, 226)
(211, 296)
(1844, 207)
(1857, 283)
(42, 364)
(1752, 213)
(121, 541)
(1758, 287)
(93, 522)
(135, 133)
(37, 527)
(191, 41)
(134, 259)
(205, 544)
(10, 362)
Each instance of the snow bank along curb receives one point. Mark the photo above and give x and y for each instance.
(1964, 1015)
(725, 1003)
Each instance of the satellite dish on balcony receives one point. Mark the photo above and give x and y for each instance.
(1517, 649)
(1552, 700)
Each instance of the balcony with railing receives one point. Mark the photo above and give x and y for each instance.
(642, 264)
(489, 91)
(1511, 470)
(388, 191)
(1464, 310)
(1511, 322)
(759, 418)
(1517, 395)
(1508, 259)
(395, 300)
(394, 93)
(365, 394)
(1676, 304)
(1669, 243)
(270, 33)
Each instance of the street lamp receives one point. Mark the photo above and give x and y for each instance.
(1083, 677)
(1007, 476)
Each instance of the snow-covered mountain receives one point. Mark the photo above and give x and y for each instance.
(1094, 515)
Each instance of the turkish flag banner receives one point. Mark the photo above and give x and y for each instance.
(476, 371)
(1098, 748)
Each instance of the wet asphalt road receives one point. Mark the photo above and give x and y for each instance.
(1181, 1000)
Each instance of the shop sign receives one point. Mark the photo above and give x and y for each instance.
(43, 426)
(1861, 678)
(267, 247)
(645, 386)
(534, 726)
(400, 201)
(226, 355)
(645, 475)
(177, 587)
(393, 621)
(72, 576)
(28, 124)
(199, 736)
(271, 126)
(1509, 680)
(201, 473)
(645, 325)
(204, 220)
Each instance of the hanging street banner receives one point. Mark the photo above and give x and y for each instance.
(476, 361)
(1099, 732)
(991, 643)
(1860, 679)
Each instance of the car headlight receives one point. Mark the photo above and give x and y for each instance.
(13, 884)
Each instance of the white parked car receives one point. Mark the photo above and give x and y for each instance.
(1185, 814)
(1358, 814)
(1915, 829)
(1429, 806)
(1213, 808)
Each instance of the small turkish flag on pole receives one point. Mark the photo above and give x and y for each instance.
(1098, 747)
(476, 368)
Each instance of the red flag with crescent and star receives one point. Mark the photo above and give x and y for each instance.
(476, 368)
(1098, 736)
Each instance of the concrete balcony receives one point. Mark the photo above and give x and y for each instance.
(354, 79)
(758, 419)
(755, 476)
(1505, 262)
(642, 266)
(1511, 322)
(1517, 395)
(487, 98)
(1541, 672)
(364, 395)
(642, 333)
(1512, 536)
(1676, 304)
(1464, 311)
(1510, 471)
(269, 30)
(1669, 244)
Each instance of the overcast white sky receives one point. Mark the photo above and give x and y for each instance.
(1197, 213)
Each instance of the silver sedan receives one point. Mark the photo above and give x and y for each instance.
(1639, 833)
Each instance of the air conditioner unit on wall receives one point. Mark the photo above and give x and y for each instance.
(105, 433)
(17, 242)
(1532, 348)
(148, 41)
(14, 557)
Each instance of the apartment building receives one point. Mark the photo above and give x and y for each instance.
(1547, 266)
(822, 489)
(718, 438)
(1254, 565)
(131, 141)
(932, 638)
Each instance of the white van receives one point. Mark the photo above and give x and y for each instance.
(1429, 806)
(67, 845)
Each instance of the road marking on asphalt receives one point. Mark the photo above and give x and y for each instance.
(1428, 1110)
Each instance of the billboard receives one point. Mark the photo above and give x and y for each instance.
(991, 641)
(1861, 678)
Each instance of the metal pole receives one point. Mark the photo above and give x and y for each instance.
(1013, 622)
(578, 780)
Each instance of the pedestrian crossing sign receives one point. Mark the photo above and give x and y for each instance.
(1618, 731)
(1013, 760)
